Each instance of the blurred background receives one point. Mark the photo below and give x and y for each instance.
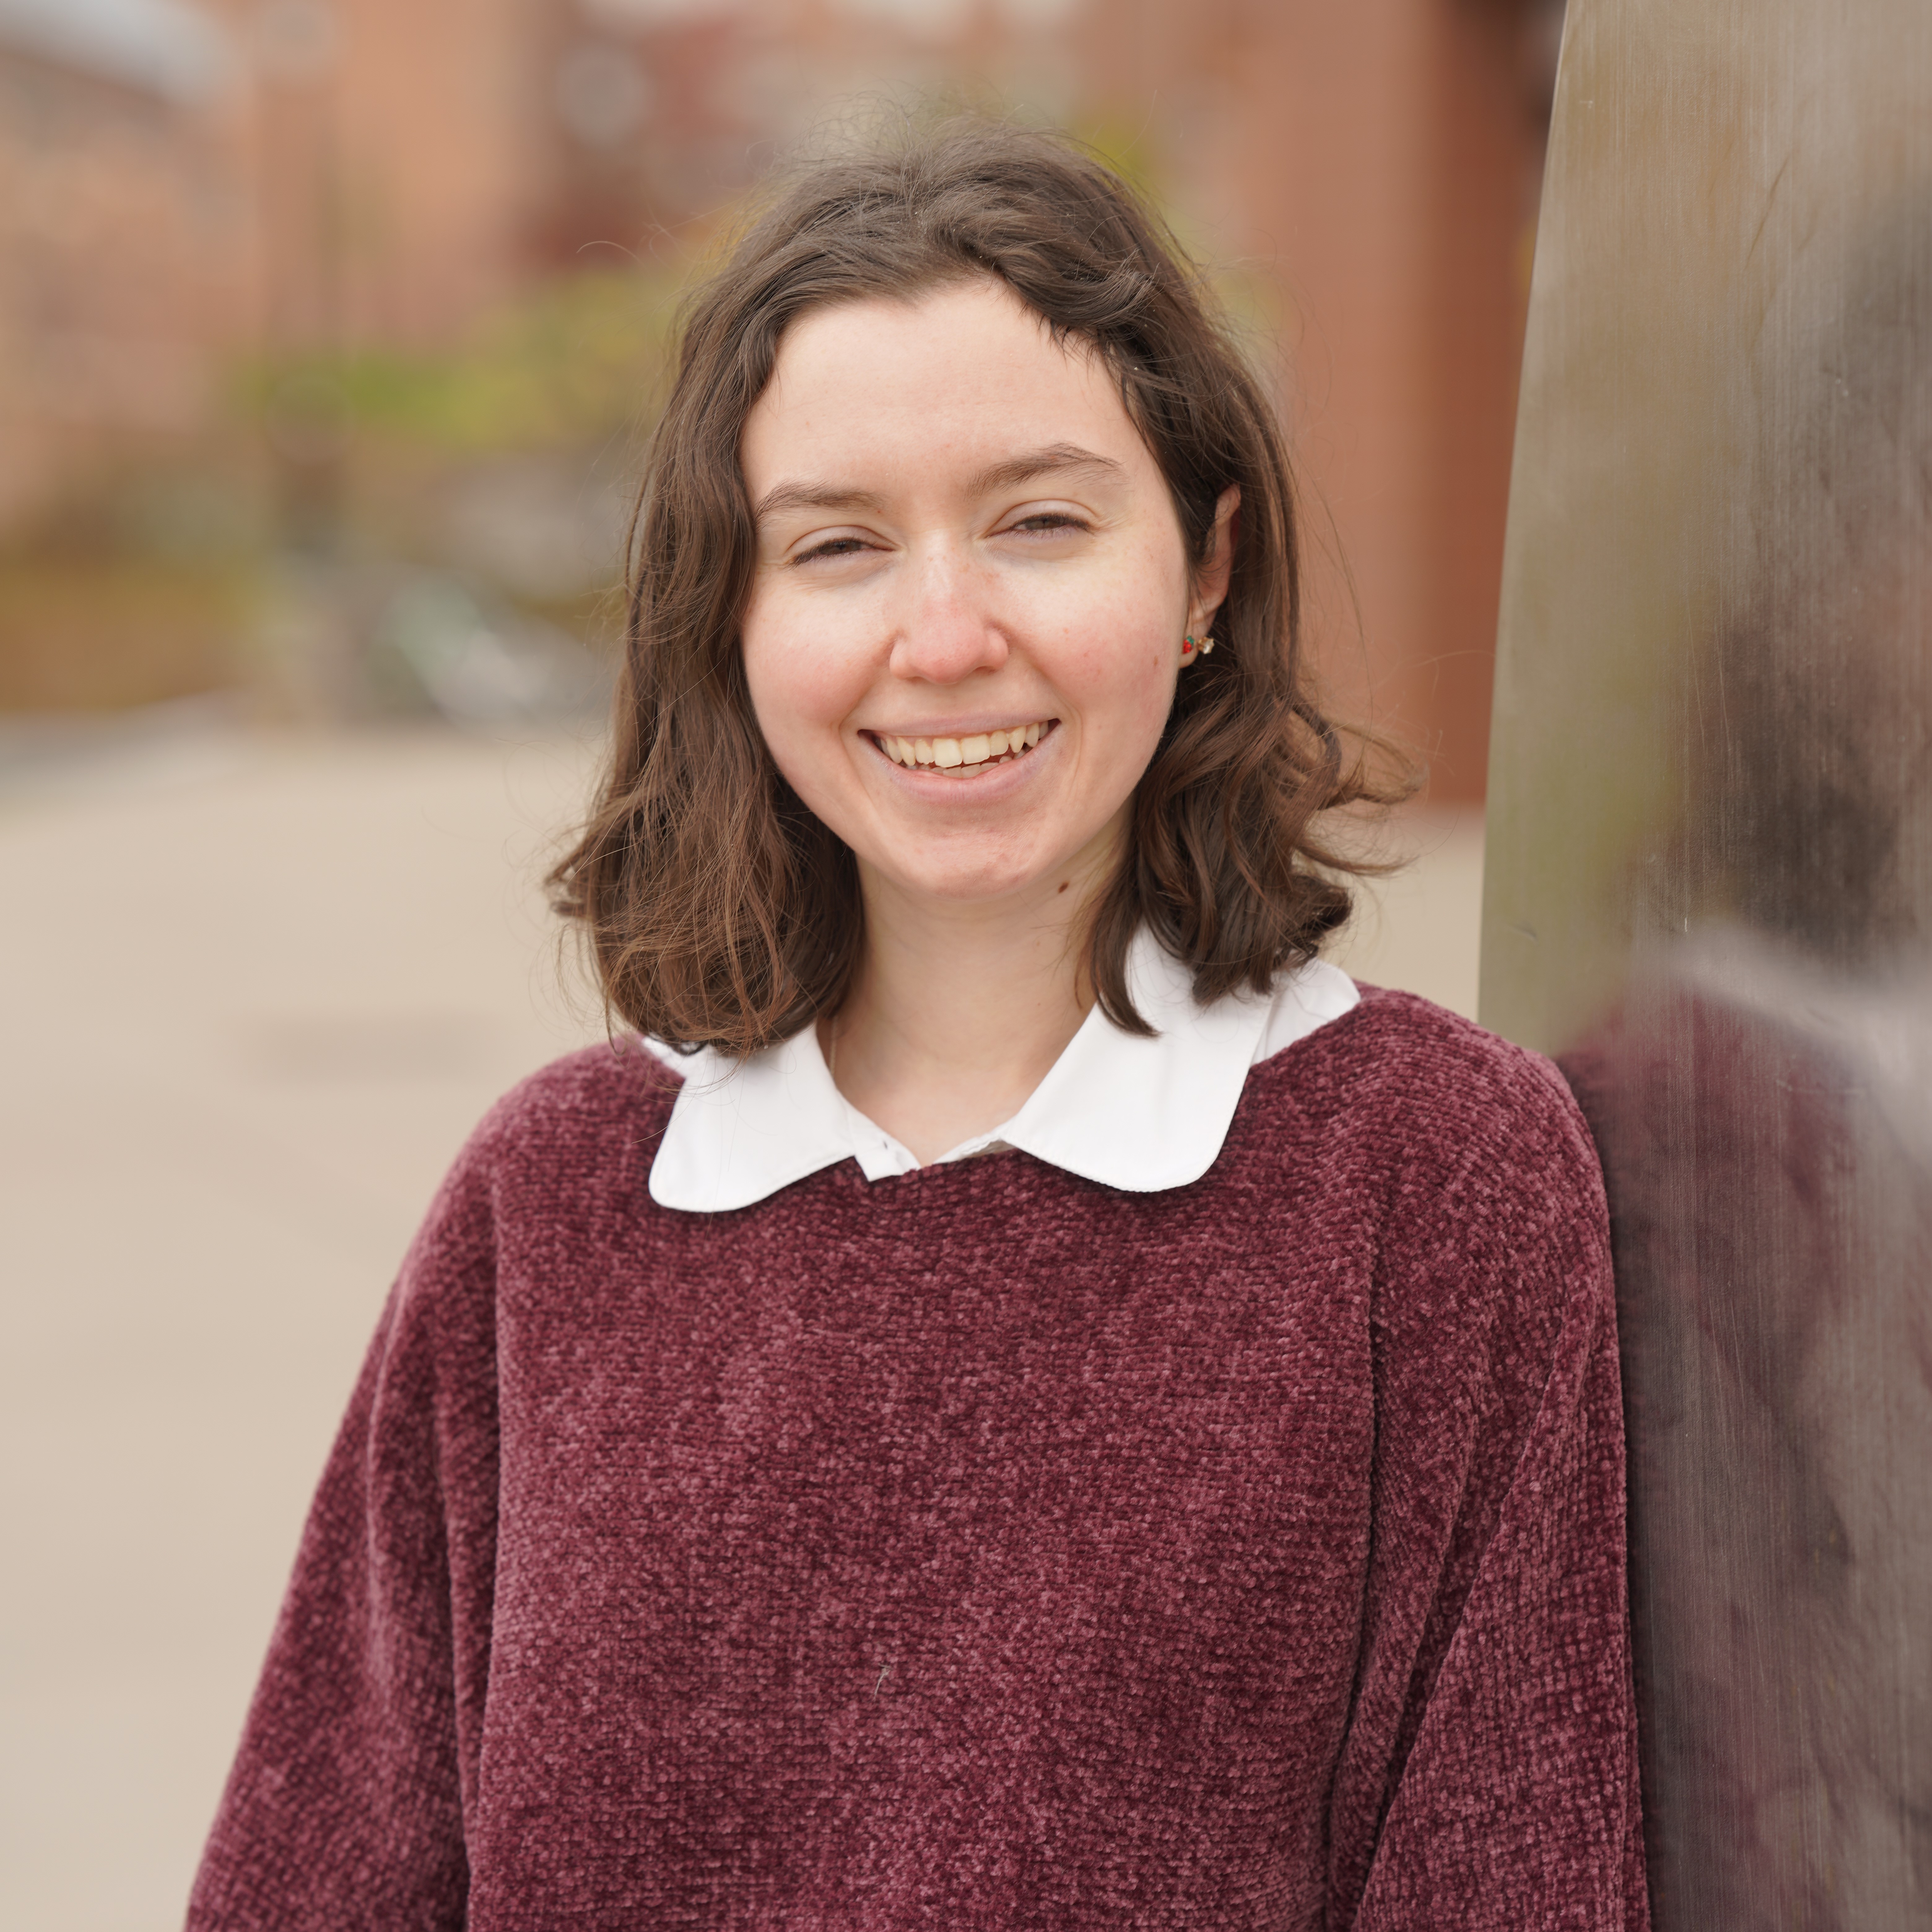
(329, 330)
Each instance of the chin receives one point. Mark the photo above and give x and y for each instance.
(972, 881)
(973, 888)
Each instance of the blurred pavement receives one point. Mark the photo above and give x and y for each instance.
(257, 990)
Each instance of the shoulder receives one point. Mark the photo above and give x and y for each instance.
(577, 1103)
(1426, 1085)
(559, 1162)
(554, 1169)
(1465, 1155)
(1453, 1170)
(583, 1128)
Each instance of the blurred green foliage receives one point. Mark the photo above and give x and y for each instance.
(147, 578)
(572, 363)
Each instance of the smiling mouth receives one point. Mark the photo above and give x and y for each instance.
(964, 757)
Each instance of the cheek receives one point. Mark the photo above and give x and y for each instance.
(802, 684)
(1119, 669)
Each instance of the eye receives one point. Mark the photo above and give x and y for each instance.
(1046, 524)
(832, 547)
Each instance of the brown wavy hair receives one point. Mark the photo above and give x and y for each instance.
(720, 911)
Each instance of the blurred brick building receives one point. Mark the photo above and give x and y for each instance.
(180, 188)
(123, 232)
(1380, 163)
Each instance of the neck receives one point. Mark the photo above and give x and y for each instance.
(960, 1009)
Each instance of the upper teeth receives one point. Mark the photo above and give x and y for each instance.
(947, 753)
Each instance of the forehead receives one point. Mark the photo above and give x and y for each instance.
(965, 371)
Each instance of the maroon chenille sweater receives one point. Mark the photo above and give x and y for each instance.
(982, 1548)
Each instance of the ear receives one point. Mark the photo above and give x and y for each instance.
(1210, 581)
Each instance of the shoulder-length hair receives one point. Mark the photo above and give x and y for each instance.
(721, 912)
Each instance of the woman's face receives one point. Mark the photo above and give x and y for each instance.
(965, 625)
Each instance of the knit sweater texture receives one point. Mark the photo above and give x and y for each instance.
(980, 1548)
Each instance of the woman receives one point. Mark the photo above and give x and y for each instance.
(1044, 1404)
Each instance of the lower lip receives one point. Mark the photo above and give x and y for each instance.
(995, 782)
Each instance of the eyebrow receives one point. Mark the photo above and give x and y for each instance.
(813, 496)
(1056, 459)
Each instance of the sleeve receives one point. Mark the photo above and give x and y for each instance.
(346, 1803)
(1490, 1777)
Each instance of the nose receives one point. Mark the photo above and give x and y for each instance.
(946, 630)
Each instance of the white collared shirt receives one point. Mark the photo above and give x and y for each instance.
(1136, 1114)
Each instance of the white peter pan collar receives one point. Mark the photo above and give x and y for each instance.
(1139, 1114)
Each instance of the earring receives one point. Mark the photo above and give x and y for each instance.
(1189, 645)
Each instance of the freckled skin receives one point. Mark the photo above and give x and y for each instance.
(1060, 596)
